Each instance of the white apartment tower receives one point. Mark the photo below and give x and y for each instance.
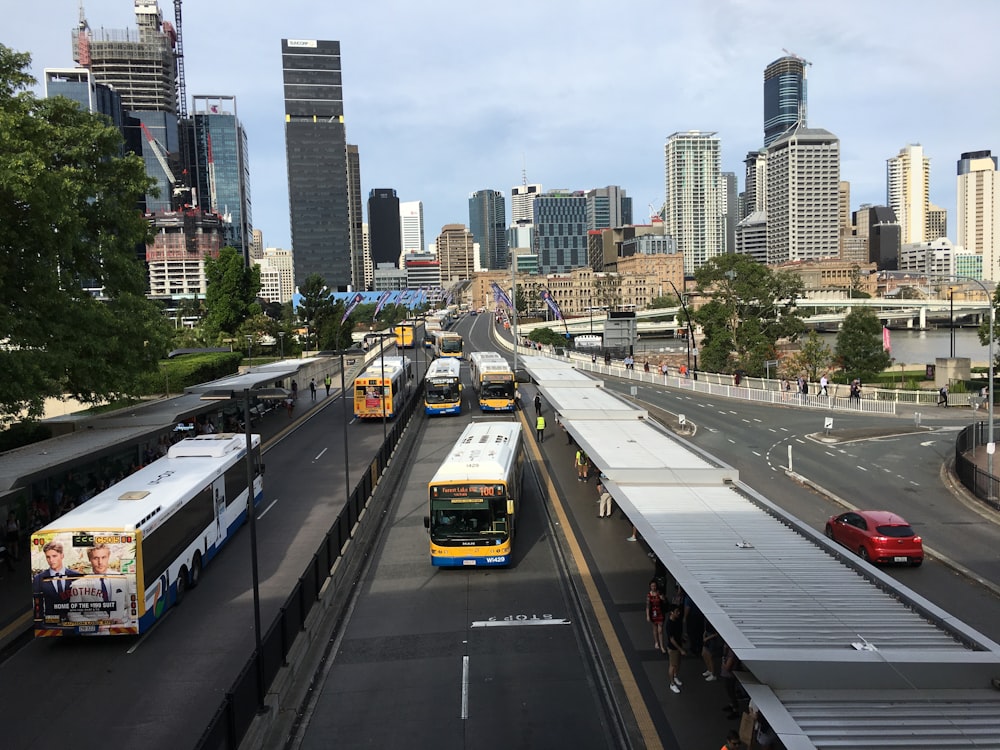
(696, 199)
(978, 207)
(277, 275)
(411, 227)
(803, 196)
(908, 179)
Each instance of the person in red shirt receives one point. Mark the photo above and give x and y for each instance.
(655, 614)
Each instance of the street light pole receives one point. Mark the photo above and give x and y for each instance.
(687, 315)
(381, 359)
(252, 517)
(281, 344)
(513, 306)
(250, 352)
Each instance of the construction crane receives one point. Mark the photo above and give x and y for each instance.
(176, 188)
(179, 56)
(787, 52)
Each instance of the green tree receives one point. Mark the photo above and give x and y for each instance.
(984, 328)
(68, 226)
(859, 345)
(314, 306)
(666, 300)
(548, 336)
(231, 293)
(813, 358)
(749, 308)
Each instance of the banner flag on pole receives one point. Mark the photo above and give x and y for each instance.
(501, 296)
(355, 301)
(886, 345)
(546, 296)
(382, 299)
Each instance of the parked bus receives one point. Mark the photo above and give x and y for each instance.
(493, 381)
(408, 332)
(474, 497)
(447, 344)
(443, 387)
(383, 389)
(114, 564)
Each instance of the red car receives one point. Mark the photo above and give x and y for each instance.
(877, 536)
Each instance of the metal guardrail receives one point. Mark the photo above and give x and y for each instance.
(979, 482)
(239, 706)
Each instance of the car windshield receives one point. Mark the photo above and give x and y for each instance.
(895, 531)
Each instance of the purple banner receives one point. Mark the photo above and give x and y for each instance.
(355, 301)
(546, 296)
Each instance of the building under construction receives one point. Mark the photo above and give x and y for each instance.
(140, 64)
(176, 255)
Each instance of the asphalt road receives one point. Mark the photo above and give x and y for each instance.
(898, 468)
(161, 690)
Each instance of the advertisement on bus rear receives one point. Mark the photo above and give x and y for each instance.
(83, 582)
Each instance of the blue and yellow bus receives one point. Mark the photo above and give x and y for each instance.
(492, 380)
(115, 564)
(474, 497)
(443, 387)
(408, 333)
(447, 344)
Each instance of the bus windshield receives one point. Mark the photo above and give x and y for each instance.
(442, 391)
(451, 345)
(468, 511)
(498, 388)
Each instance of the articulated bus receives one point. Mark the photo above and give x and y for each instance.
(383, 389)
(447, 344)
(474, 497)
(443, 387)
(408, 332)
(115, 564)
(493, 381)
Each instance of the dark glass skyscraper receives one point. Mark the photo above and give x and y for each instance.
(488, 222)
(221, 171)
(784, 96)
(316, 153)
(384, 239)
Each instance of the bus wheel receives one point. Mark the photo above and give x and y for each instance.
(196, 570)
(182, 584)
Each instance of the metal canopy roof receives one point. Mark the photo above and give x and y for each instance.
(839, 654)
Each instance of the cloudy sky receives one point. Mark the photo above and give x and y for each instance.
(446, 98)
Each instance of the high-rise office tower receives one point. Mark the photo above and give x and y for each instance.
(803, 196)
(937, 222)
(561, 230)
(908, 178)
(608, 207)
(79, 85)
(221, 167)
(696, 201)
(487, 222)
(356, 214)
(978, 208)
(755, 184)
(411, 226)
(383, 226)
(522, 198)
(257, 245)
(882, 230)
(784, 96)
(316, 155)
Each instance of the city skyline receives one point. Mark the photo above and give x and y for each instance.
(428, 127)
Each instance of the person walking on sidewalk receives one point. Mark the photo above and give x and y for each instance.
(327, 382)
(943, 396)
(538, 404)
(312, 389)
(540, 428)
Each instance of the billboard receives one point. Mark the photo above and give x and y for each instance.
(83, 582)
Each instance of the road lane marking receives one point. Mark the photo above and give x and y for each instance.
(515, 623)
(862, 468)
(465, 687)
(264, 512)
(320, 454)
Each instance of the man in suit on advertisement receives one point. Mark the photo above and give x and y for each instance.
(53, 584)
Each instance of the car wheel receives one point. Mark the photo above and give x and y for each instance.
(196, 570)
(828, 531)
(863, 554)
